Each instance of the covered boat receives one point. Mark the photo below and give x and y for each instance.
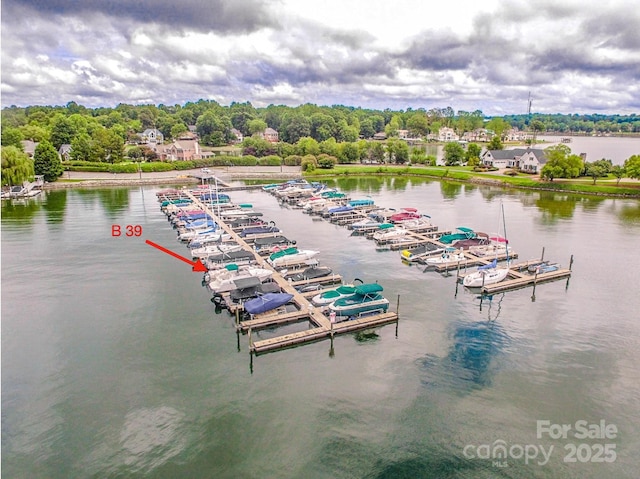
(222, 280)
(365, 300)
(290, 256)
(464, 233)
(267, 302)
(404, 214)
(312, 272)
(259, 230)
(388, 231)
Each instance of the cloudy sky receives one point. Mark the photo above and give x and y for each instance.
(573, 56)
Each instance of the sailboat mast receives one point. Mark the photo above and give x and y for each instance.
(506, 238)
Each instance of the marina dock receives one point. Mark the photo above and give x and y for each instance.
(322, 326)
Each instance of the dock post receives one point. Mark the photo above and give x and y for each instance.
(237, 317)
(250, 341)
(570, 262)
(542, 256)
(535, 281)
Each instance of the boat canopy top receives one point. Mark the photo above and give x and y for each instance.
(386, 226)
(368, 288)
(231, 267)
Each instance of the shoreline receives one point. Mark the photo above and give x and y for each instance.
(98, 180)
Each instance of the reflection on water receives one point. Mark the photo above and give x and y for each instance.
(55, 205)
(450, 190)
(472, 357)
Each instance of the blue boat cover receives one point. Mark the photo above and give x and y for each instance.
(493, 264)
(266, 302)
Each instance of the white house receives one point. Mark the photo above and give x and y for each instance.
(65, 151)
(447, 134)
(152, 136)
(532, 160)
(529, 160)
(238, 134)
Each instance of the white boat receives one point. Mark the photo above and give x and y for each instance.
(416, 224)
(291, 256)
(221, 281)
(488, 274)
(328, 297)
(388, 231)
(445, 257)
(365, 224)
(214, 248)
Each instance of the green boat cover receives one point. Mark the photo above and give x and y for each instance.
(338, 292)
(231, 267)
(386, 226)
(284, 252)
(368, 288)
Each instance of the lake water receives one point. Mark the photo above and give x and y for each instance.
(616, 149)
(114, 363)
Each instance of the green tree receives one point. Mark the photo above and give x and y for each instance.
(178, 129)
(46, 161)
(398, 151)
(62, 131)
(295, 126)
(632, 166)
(107, 145)
(17, 167)
(329, 147)
(214, 129)
(418, 125)
(393, 126)
(307, 146)
(12, 137)
(495, 144)
(618, 172)
(348, 153)
(561, 163)
(473, 151)
(256, 126)
(81, 148)
(453, 153)
(596, 171)
(499, 126)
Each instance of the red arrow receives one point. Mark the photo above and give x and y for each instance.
(197, 267)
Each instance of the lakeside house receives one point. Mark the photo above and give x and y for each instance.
(447, 134)
(529, 160)
(65, 152)
(479, 134)
(182, 149)
(269, 134)
(239, 137)
(151, 136)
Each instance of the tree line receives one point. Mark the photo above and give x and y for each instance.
(111, 135)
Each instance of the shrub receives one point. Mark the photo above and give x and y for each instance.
(326, 161)
(183, 165)
(271, 160)
(154, 166)
(293, 160)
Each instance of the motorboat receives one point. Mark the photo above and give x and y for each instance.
(367, 299)
(220, 281)
(259, 230)
(486, 274)
(312, 272)
(267, 302)
(328, 297)
(448, 256)
(463, 233)
(404, 214)
(420, 252)
(272, 244)
(388, 231)
(416, 224)
(217, 236)
(291, 256)
(214, 248)
(218, 261)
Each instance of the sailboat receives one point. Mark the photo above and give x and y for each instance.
(490, 273)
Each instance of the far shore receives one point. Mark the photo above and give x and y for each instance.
(72, 179)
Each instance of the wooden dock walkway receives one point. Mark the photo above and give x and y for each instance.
(323, 327)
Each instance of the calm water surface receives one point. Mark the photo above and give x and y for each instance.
(114, 363)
